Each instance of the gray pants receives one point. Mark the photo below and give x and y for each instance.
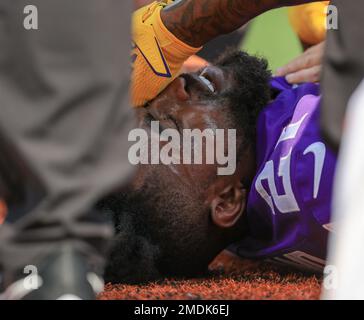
(64, 123)
(343, 67)
(343, 74)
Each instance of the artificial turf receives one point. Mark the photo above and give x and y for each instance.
(232, 279)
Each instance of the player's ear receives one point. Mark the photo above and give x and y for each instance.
(228, 205)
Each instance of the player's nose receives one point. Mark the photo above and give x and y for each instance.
(179, 90)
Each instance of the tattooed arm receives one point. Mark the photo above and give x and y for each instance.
(195, 22)
(165, 36)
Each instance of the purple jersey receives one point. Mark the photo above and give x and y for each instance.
(290, 200)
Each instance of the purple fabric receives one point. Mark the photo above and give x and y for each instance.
(290, 199)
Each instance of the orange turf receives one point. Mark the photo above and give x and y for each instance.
(232, 279)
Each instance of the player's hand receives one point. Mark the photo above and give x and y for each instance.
(306, 67)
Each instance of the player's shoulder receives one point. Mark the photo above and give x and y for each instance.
(291, 109)
(292, 156)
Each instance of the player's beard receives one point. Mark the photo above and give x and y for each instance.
(157, 233)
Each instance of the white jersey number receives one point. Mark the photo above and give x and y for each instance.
(286, 202)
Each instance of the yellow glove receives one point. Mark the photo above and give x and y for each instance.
(309, 21)
(157, 54)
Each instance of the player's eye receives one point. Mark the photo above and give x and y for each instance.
(168, 122)
(175, 122)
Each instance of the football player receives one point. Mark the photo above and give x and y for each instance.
(174, 219)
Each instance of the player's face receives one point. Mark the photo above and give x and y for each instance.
(173, 205)
(190, 102)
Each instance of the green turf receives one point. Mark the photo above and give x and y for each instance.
(270, 35)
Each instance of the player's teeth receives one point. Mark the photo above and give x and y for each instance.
(208, 83)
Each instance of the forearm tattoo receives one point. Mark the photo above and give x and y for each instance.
(197, 21)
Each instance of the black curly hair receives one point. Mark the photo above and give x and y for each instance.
(251, 93)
